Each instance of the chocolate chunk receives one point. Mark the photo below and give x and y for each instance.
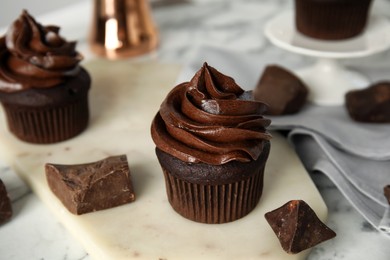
(93, 186)
(386, 192)
(281, 90)
(5, 204)
(371, 104)
(297, 226)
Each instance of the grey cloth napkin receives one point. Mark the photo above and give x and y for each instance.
(355, 156)
(358, 178)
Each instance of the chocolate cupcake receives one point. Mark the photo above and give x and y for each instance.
(212, 144)
(331, 19)
(43, 90)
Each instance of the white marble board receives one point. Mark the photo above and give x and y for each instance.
(124, 98)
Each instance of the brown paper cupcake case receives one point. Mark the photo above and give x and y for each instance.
(214, 204)
(47, 125)
(331, 21)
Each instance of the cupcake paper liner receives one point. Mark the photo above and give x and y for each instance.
(331, 21)
(214, 204)
(47, 125)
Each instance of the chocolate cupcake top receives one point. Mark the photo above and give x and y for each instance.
(211, 120)
(35, 56)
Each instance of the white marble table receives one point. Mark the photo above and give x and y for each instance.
(34, 233)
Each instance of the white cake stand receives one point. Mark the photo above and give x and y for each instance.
(327, 79)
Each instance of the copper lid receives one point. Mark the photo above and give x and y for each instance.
(122, 28)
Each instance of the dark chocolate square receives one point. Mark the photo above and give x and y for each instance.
(5, 204)
(297, 226)
(93, 186)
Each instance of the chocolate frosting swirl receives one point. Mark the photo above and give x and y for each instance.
(212, 120)
(35, 56)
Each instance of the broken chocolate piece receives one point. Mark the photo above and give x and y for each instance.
(281, 90)
(297, 226)
(371, 105)
(386, 192)
(5, 204)
(93, 186)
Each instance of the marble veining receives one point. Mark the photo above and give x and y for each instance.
(185, 25)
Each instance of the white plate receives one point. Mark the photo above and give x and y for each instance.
(281, 31)
(328, 80)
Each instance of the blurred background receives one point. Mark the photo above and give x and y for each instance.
(10, 9)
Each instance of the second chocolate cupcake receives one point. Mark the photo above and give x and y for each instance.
(212, 144)
(331, 19)
(43, 90)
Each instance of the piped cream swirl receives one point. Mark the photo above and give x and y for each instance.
(32, 55)
(212, 120)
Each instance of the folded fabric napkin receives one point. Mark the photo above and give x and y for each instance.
(355, 156)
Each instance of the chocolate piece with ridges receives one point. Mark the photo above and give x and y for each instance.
(371, 105)
(386, 192)
(297, 226)
(5, 204)
(281, 90)
(93, 186)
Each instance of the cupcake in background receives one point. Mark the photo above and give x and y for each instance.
(43, 89)
(331, 19)
(212, 144)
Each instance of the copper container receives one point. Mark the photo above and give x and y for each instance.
(122, 28)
